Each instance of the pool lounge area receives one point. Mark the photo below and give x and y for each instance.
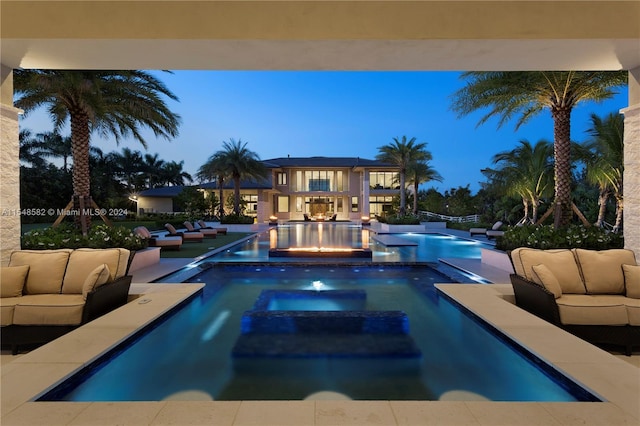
(615, 379)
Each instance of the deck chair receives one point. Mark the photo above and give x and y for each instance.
(207, 232)
(495, 230)
(187, 236)
(165, 243)
(306, 217)
(203, 225)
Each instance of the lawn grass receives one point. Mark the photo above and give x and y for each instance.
(191, 250)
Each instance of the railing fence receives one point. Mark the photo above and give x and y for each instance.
(458, 219)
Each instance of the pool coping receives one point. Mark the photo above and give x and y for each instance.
(30, 375)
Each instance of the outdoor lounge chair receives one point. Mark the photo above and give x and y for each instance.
(187, 236)
(165, 243)
(477, 231)
(207, 232)
(333, 217)
(203, 225)
(494, 231)
(306, 217)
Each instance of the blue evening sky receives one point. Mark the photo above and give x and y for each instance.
(335, 113)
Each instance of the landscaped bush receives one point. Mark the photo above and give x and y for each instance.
(399, 220)
(68, 236)
(465, 226)
(546, 237)
(237, 219)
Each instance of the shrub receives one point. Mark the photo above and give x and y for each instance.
(68, 236)
(237, 219)
(400, 220)
(546, 237)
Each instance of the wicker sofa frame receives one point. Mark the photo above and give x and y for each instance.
(100, 301)
(536, 299)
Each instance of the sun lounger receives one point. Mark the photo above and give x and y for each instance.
(207, 232)
(165, 243)
(187, 236)
(202, 225)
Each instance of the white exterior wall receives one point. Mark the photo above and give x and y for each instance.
(632, 165)
(155, 204)
(9, 168)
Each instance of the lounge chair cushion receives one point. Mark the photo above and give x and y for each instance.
(85, 260)
(543, 275)
(99, 276)
(632, 280)
(49, 309)
(46, 269)
(602, 270)
(12, 280)
(172, 230)
(167, 242)
(560, 262)
(142, 231)
(584, 309)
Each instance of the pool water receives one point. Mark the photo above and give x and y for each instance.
(194, 353)
(426, 248)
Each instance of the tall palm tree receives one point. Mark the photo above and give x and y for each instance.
(402, 154)
(605, 165)
(152, 166)
(56, 146)
(172, 173)
(30, 149)
(216, 168)
(240, 163)
(525, 171)
(129, 167)
(421, 172)
(527, 93)
(114, 103)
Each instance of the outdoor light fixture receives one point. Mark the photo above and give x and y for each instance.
(366, 220)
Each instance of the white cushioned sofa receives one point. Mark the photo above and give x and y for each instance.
(592, 294)
(47, 293)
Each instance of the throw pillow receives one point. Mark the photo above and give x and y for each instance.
(543, 275)
(632, 280)
(99, 276)
(12, 279)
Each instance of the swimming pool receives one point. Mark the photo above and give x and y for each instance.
(193, 354)
(427, 247)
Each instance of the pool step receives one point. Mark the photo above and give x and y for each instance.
(321, 345)
(325, 322)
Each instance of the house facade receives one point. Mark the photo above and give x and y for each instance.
(318, 187)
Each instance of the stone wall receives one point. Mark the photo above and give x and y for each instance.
(10, 183)
(632, 178)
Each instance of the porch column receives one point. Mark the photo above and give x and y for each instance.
(632, 164)
(10, 166)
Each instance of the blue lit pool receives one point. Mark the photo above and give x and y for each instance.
(199, 352)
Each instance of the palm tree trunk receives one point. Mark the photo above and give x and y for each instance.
(562, 164)
(534, 210)
(403, 198)
(221, 206)
(619, 211)
(81, 176)
(602, 202)
(236, 195)
(525, 203)
(415, 197)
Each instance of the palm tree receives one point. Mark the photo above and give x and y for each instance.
(525, 171)
(129, 167)
(108, 102)
(240, 163)
(56, 146)
(527, 93)
(216, 169)
(402, 154)
(151, 167)
(172, 173)
(30, 150)
(605, 165)
(421, 172)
